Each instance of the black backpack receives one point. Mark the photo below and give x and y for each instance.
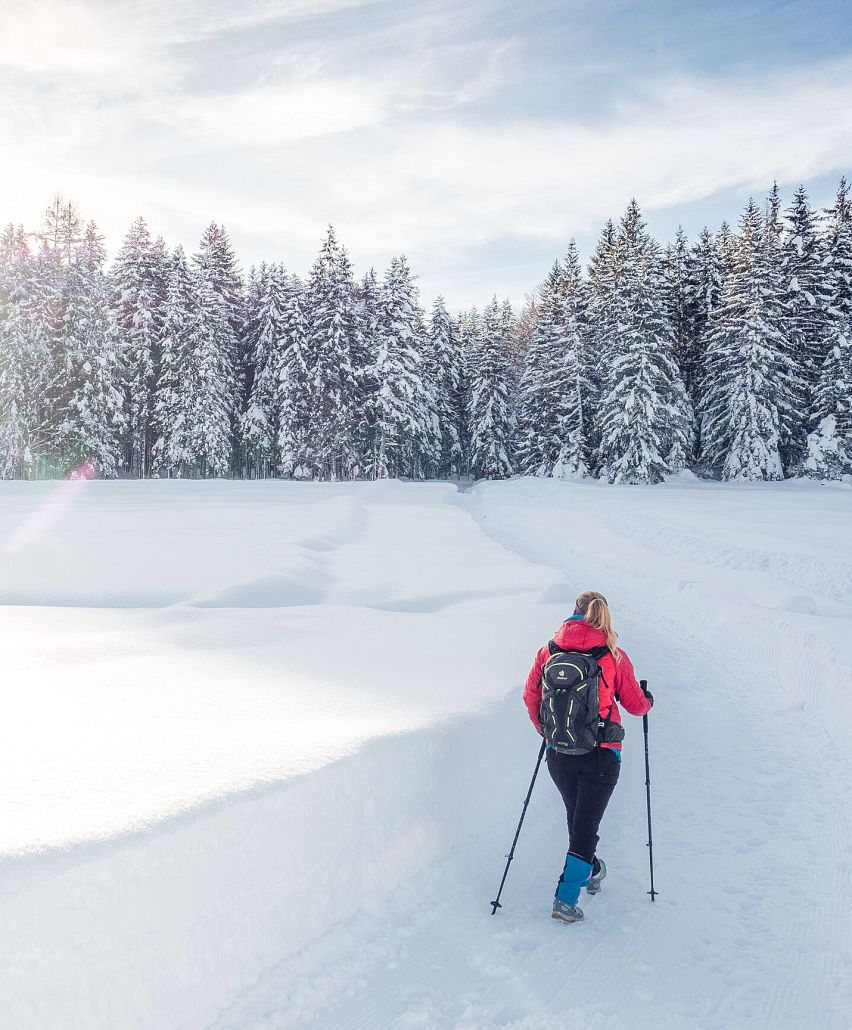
(570, 713)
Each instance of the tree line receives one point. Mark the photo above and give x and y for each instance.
(730, 356)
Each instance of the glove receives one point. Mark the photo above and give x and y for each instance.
(650, 696)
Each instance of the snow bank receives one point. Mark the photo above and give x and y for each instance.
(192, 640)
(163, 929)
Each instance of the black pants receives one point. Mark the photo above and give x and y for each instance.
(586, 783)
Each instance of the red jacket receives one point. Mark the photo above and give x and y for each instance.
(617, 678)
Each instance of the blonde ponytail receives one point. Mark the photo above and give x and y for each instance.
(595, 611)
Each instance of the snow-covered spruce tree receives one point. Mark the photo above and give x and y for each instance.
(173, 397)
(259, 423)
(677, 274)
(773, 220)
(532, 440)
(138, 277)
(213, 381)
(554, 424)
(525, 322)
(468, 330)
(726, 242)
(646, 419)
(704, 294)
(46, 293)
(194, 401)
(26, 366)
(807, 301)
(446, 373)
(604, 298)
(829, 453)
(364, 354)
(748, 379)
(490, 421)
(838, 250)
(332, 335)
(92, 404)
(406, 432)
(296, 453)
(515, 349)
(829, 444)
(255, 290)
(215, 265)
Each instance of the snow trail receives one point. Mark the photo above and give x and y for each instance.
(752, 926)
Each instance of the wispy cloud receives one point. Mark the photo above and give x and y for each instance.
(270, 115)
(428, 127)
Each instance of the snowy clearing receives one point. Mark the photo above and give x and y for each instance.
(205, 825)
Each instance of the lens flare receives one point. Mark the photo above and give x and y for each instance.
(57, 503)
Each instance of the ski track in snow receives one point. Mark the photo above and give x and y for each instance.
(387, 906)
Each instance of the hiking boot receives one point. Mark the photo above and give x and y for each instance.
(567, 913)
(594, 884)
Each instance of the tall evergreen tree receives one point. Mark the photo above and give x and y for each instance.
(213, 376)
(364, 357)
(468, 327)
(646, 416)
(604, 312)
(256, 286)
(704, 284)
(45, 318)
(838, 250)
(93, 416)
(748, 378)
(138, 283)
(407, 440)
(332, 336)
(27, 372)
(260, 421)
(676, 272)
(830, 442)
(172, 451)
(490, 415)
(446, 372)
(218, 273)
(296, 452)
(807, 303)
(555, 427)
(726, 242)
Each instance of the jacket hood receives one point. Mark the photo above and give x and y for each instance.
(575, 635)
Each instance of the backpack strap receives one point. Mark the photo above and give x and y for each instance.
(553, 647)
(597, 653)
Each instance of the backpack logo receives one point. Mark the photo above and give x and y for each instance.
(561, 674)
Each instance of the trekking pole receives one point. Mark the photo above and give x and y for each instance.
(511, 855)
(644, 684)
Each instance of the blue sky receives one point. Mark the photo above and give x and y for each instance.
(476, 137)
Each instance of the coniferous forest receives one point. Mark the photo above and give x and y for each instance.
(729, 355)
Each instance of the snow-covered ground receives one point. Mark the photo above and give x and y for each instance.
(262, 754)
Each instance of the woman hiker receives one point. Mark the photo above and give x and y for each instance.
(584, 768)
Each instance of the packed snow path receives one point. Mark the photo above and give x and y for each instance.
(357, 895)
